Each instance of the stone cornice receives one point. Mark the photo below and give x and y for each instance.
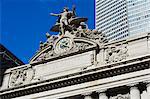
(78, 80)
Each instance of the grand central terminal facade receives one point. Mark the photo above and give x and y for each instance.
(80, 63)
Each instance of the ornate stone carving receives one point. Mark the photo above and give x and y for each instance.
(49, 42)
(82, 79)
(63, 46)
(21, 76)
(96, 36)
(121, 97)
(70, 27)
(81, 46)
(116, 53)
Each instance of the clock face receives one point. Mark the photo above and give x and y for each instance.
(63, 45)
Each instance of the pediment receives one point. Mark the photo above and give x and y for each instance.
(64, 47)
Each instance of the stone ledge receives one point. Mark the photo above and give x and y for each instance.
(79, 80)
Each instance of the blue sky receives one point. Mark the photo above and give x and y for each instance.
(25, 22)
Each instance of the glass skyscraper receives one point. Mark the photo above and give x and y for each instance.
(119, 19)
(138, 16)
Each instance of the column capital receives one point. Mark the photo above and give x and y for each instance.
(102, 94)
(147, 82)
(87, 94)
(133, 84)
(101, 91)
(134, 92)
(134, 87)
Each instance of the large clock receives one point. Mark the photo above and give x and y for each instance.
(63, 45)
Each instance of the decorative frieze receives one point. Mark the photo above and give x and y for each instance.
(21, 76)
(116, 53)
(79, 80)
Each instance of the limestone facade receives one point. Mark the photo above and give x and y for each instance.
(117, 70)
(79, 63)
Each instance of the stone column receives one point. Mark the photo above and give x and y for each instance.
(148, 89)
(134, 93)
(102, 95)
(87, 96)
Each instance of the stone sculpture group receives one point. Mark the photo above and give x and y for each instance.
(74, 37)
(68, 24)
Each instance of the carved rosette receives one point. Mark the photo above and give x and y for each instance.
(21, 76)
(116, 53)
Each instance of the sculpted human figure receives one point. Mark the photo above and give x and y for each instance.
(63, 19)
(82, 29)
